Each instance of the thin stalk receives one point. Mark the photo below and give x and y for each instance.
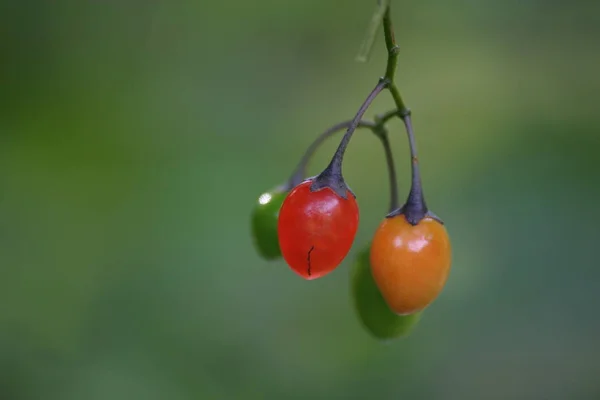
(415, 208)
(389, 158)
(415, 197)
(300, 172)
(392, 61)
(378, 128)
(382, 119)
(335, 166)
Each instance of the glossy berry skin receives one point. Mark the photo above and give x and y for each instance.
(370, 306)
(264, 223)
(316, 229)
(410, 264)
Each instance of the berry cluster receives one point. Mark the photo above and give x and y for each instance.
(312, 222)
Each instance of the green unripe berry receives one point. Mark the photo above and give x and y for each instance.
(370, 306)
(264, 223)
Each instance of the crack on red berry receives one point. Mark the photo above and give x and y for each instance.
(308, 259)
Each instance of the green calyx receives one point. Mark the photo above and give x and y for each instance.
(264, 223)
(370, 306)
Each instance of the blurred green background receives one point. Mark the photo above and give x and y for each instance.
(135, 137)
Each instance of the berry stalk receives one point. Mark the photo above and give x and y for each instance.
(415, 208)
(300, 172)
(391, 169)
(377, 127)
(332, 175)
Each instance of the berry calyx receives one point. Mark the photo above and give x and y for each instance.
(316, 228)
(410, 263)
(370, 306)
(264, 223)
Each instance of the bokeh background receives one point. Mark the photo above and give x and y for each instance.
(136, 136)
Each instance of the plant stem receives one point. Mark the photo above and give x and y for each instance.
(300, 171)
(389, 158)
(415, 208)
(382, 119)
(381, 131)
(392, 62)
(335, 166)
(377, 127)
(416, 187)
(390, 45)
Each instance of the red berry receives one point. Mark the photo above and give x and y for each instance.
(316, 229)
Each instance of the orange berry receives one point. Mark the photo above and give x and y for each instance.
(410, 264)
